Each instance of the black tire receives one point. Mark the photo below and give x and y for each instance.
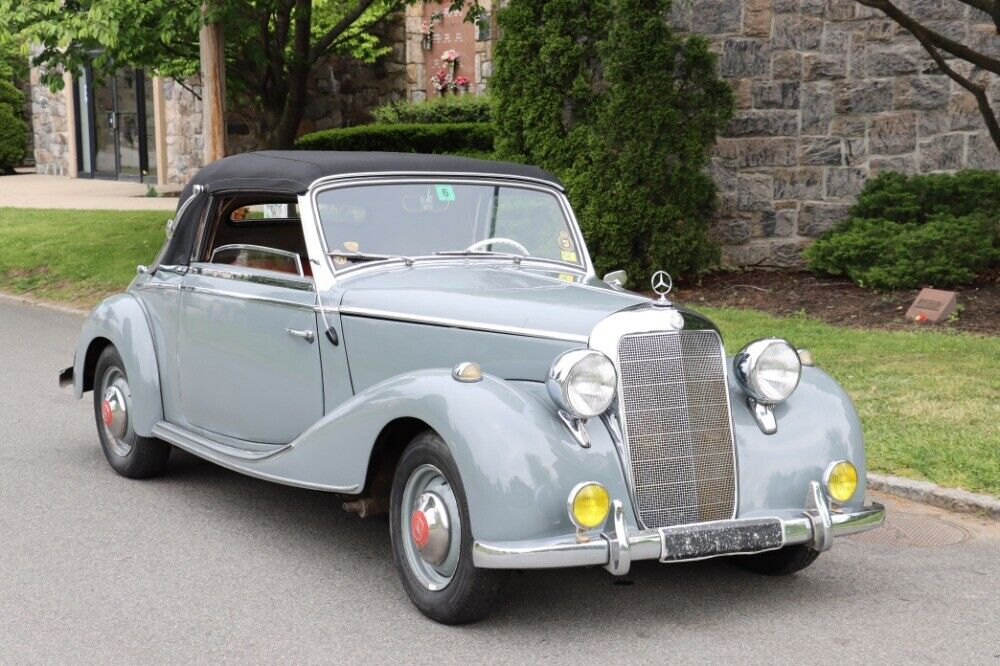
(472, 593)
(782, 562)
(145, 456)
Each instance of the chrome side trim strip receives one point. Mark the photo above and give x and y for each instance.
(371, 313)
(255, 278)
(238, 461)
(158, 285)
(248, 297)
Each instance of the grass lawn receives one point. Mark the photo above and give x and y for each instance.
(75, 256)
(929, 401)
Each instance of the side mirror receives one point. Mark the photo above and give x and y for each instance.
(616, 279)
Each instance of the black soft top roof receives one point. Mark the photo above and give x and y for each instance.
(293, 171)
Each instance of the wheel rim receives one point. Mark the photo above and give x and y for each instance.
(115, 403)
(430, 527)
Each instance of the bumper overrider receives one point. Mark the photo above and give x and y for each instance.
(617, 548)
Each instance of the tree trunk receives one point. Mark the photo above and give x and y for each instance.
(213, 82)
(285, 132)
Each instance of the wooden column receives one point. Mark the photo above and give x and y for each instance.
(71, 125)
(160, 131)
(213, 89)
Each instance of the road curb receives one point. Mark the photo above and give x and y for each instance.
(37, 302)
(952, 499)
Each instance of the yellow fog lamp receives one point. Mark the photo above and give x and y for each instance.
(841, 481)
(588, 505)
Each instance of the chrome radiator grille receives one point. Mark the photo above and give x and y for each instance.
(676, 414)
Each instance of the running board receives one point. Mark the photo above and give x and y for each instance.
(251, 463)
(192, 442)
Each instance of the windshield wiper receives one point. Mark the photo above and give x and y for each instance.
(477, 253)
(365, 256)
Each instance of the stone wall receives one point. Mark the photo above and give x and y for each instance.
(828, 93)
(49, 127)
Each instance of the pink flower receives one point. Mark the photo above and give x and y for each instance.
(461, 80)
(451, 55)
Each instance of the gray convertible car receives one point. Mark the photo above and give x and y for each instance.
(425, 337)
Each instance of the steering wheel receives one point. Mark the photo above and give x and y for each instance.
(483, 244)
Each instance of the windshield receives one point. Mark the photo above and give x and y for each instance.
(371, 222)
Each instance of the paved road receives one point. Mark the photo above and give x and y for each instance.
(204, 565)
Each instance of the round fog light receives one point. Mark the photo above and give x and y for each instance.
(588, 505)
(841, 481)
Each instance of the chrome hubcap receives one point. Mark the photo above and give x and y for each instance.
(114, 411)
(430, 527)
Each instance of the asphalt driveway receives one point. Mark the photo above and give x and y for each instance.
(205, 565)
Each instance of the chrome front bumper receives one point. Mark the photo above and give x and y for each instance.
(616, 549)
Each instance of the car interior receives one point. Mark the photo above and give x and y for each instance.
(256, 231)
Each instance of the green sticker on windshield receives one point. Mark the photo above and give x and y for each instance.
(445, 192)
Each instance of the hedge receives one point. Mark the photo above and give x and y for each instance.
(625, 110)
(13, 129)
(912, 231)
(450, 138)
(447, 109)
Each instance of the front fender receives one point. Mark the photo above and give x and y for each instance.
(518, 461)
(122, 321)
(816, 425)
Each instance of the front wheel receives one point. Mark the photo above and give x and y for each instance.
(431, 537)
(129, 454)
(781, 562)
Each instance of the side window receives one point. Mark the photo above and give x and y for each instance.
(257, 232)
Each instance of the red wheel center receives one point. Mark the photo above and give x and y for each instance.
(106, 414)
(419, 529)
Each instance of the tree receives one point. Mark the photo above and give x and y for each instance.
(13, 129)
(626, 112)
(272, 46)
(934, 42)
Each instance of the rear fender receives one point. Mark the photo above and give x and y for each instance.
(121, 321)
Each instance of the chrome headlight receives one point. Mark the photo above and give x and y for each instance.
(768, 370)
(582, 382)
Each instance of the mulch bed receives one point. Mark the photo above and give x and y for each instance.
(839, 301)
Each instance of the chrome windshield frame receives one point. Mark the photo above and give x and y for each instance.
(317, 244)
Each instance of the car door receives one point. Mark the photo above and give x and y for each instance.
(248, 355)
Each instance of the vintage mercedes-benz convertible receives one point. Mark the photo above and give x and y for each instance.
(425, 335)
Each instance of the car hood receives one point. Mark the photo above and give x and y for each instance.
(502, 297)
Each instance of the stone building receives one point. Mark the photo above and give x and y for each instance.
(828, 93)
(146, 128)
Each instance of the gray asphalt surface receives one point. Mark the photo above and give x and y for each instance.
(205, 565)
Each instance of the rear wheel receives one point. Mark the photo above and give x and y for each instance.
(781, 562)
(129, 454)
(431, 538)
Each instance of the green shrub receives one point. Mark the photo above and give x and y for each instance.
(447, 109)
(631, 144)
(404, 138)
(913, 231)
(13, 129)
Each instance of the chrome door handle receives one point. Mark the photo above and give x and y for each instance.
(307, 335)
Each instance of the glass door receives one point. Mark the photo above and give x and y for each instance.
(105, 121)
(114, 119)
